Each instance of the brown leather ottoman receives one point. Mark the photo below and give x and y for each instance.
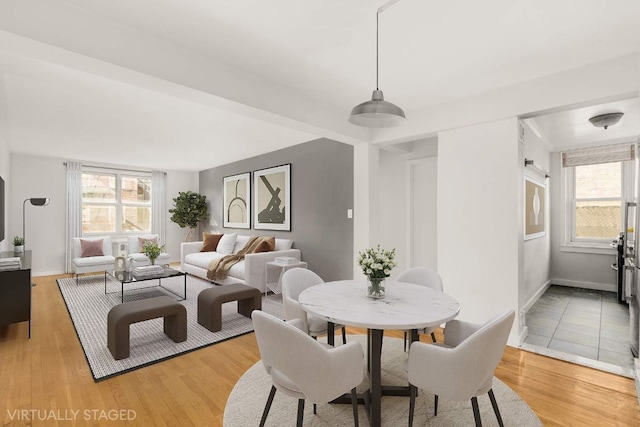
(123, 315)
(210, 303)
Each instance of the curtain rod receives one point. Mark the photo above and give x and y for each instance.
(113, 169)
(536, 167)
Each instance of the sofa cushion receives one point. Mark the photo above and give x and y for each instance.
(283, 244)
(91, 247)
(134, 245)
(227, 243)
(143, 240)
(210, 242)
(241, 241)
(202, 260)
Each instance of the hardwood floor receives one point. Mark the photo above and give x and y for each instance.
(48, 377)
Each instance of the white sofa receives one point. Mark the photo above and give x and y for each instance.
(250, 271)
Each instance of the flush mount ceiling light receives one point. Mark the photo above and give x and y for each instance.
(378, 113)
(606, 120)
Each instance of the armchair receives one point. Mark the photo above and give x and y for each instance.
(134, 251)
(461, 368)
(99, 258)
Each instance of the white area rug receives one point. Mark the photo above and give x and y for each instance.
(88, 307)
(248, 397)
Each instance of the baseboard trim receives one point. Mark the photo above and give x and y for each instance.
(587, 285)
(523, 335)
(535, 297)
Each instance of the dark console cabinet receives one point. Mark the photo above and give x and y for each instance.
(15, 292)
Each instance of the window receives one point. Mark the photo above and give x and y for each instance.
(115, 202)
(597, 202)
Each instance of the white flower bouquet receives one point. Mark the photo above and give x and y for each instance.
(377, 263)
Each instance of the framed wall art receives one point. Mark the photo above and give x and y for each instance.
(237, 201)
(534, 208)
(272, 198)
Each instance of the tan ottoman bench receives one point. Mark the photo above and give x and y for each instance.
(123, 315)
(210, 303)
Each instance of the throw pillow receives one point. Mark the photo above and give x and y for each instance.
(266, 245)
(226, 243)
(91, 248)
(210, 242)
(143, 240)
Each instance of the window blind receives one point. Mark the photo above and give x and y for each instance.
(596, 155)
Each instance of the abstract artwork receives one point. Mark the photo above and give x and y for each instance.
(237, 201)
(534, 209)
(272, 198)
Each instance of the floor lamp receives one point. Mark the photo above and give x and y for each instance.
(35, 201)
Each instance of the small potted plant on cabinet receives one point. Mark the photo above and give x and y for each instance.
(18, 244)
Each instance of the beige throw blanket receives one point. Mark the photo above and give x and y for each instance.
(218, 269)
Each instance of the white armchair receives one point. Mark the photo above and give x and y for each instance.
(422, 276)
(303, 368)
(295, 281)
(461, 368)
(90, 264)
(138, 259)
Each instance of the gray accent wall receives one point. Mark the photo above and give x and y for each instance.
(321, 192)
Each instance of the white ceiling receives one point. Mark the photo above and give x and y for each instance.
(191, 84)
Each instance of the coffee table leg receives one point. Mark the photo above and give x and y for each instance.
(185, 287)
(105, 282)
(122, 291)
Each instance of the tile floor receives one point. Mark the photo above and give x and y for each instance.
(581, 322)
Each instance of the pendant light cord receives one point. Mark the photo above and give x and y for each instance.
(377, 49)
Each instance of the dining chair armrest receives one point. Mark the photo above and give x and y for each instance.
(456, 331)
(336, 370)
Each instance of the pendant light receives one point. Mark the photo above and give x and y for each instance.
(378, 113)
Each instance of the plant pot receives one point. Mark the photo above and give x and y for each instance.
(376, 287)
(18, 249)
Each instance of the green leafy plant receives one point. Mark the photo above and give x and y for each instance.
(189, 209)
(377, 263)
(18, 241)
(152, 250)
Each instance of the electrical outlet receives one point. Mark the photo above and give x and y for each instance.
(349, 213)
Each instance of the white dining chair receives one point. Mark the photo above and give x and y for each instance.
(295, 281)
(461, 368)
(422, 276)
(304, 368)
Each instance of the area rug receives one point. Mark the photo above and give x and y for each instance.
(88, 307)
(249, 395)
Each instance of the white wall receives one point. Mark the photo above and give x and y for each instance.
(5, 245)
(479, 221)
(537, 252)
(37, 176)
(366, 200)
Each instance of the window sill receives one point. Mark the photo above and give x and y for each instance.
(585, 248)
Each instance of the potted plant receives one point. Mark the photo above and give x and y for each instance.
(152, 251)
(18, 244)
(189, 209)
(376, 264)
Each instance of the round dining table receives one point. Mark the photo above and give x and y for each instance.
(405, 307)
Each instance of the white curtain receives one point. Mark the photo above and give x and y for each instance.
(158, 205)
(74, 208)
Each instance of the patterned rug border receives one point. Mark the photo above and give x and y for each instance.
(98, 378)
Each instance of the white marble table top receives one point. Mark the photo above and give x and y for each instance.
(406, 306)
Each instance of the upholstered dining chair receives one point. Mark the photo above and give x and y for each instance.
(461, 368)
(295, 281)
(422, 276)
(304, 368)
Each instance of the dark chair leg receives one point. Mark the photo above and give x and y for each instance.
(272, 393)
(300, 412)
(476, 411)
(405, 341)
(495, 407)
(354, 404)
(435, 405)
(433, 337)
(412, 402)
(344, 335)
(315, 407)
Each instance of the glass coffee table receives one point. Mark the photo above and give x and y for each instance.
(128, 278)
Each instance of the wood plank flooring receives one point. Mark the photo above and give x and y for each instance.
(48, 377)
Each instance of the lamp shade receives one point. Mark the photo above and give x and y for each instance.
(377, 113)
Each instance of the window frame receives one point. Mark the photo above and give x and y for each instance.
(119, 204)
(592, 245)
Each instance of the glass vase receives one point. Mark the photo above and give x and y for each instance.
(375, 287)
